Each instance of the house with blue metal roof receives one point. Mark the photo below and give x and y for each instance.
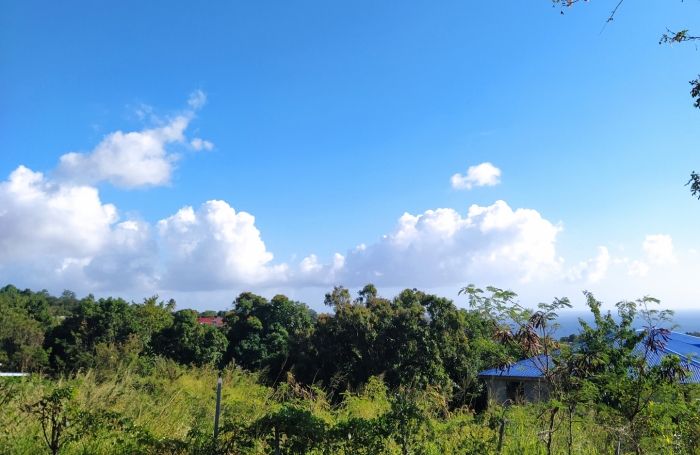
(523, 380)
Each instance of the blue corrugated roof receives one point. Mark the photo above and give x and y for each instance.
(528, 368)
(685, 346)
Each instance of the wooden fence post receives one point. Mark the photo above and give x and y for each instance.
(218, 409)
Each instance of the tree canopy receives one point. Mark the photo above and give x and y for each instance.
(412, 340)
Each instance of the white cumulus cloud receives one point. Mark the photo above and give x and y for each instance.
(484, 174)
(55, 231)
(311, 272)
(659, 249)
(61, 234)
(134, 159)
(199, 144)
(441, 247)
(593, 270)
(638, 268)
(215, 248)
(197, 99)
(58, 233)
(129, 260)
(40, 217)
(127, 160)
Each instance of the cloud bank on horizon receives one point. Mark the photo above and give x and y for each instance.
(55, 231)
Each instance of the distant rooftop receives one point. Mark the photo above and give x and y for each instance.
(216, 322)
(685, 346)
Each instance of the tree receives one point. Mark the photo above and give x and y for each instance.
(373, 336)
(24, 317)
(414, 340)
(267, 335)
(189, 342)
(63, 305)
(107, 322)
(302, 431)
(339, 296)
(54, 410)
(406, 417)
(367, 294)
(613, 365)
(530, 333)
(152, 317)
(617, 359)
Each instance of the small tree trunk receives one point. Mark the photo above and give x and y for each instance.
(277, 440)
(500, 434)
(403, 441)
(56, 429)
(571, 427)
(619, 443)
(551, 430)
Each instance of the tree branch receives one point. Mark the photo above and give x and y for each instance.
(694, 183)
(677, 37)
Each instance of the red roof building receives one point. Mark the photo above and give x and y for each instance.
(216, 322)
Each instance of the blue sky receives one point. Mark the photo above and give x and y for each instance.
(327, 123)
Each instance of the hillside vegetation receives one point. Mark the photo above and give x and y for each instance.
(375, 376)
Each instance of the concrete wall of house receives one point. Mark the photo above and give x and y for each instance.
(497, 390)
(533, 390)
(536, 391)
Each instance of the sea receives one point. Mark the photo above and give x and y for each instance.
(688, 320)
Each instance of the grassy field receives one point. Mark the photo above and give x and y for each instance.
(170, 410)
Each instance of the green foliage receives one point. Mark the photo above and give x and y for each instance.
(24, 317)
(152, 317)
(107, 322)
(338, 297)
(695, 91)
(53, 411)
(101, 334)
(188, 342)
(573, 338)
(415, 340)
(377, 376)
(613, 358)
(169, 410)
(63, 305)
(291, 428)
(266, 335)
(677, 37)
(524, 331)
(608, 374)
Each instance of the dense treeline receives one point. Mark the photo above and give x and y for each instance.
(374, 376)
(413, 339)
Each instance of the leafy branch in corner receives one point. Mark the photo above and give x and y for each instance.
(677, 37)
(695, 91)
(670, 37)
(694, 183)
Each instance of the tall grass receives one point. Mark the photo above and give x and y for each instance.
(170, 410)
